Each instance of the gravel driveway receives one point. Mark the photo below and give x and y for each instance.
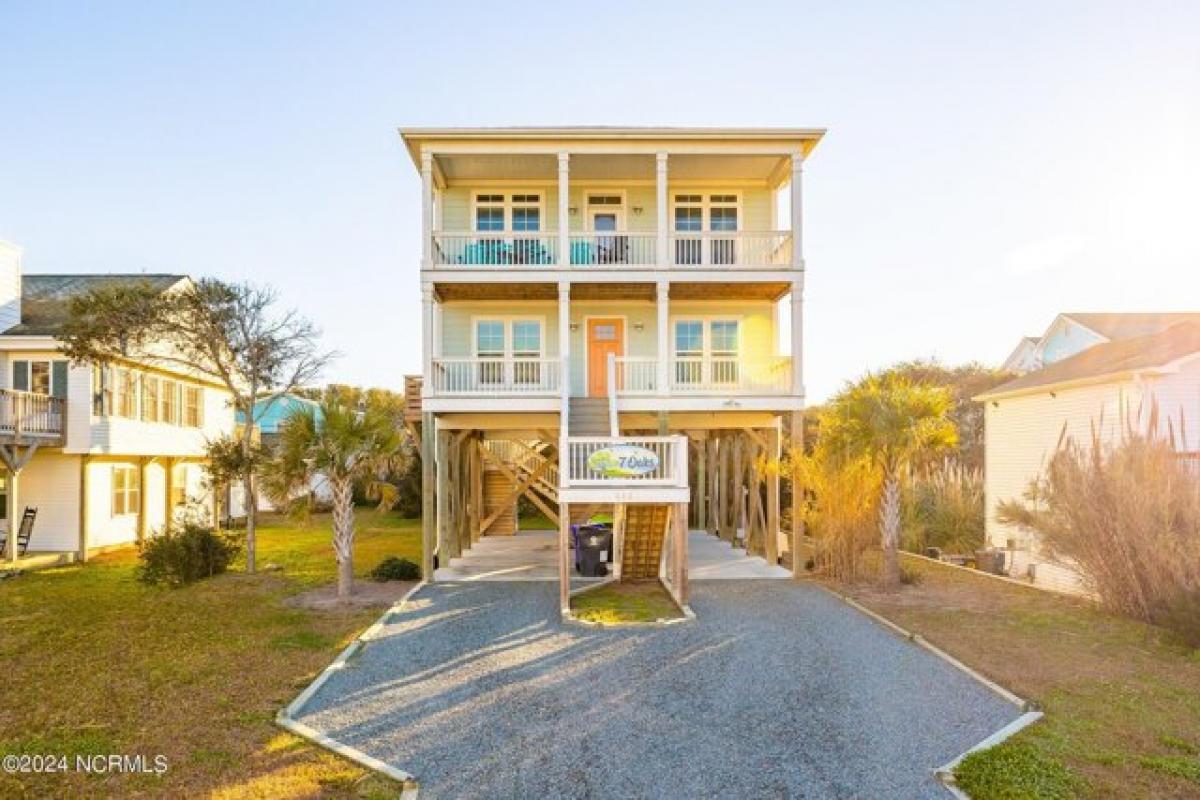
(777, 690)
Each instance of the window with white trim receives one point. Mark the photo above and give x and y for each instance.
(518, 340)
(707, 351)
(126, 487)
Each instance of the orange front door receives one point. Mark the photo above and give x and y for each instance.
(604, 336)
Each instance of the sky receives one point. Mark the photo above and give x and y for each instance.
(984, 169)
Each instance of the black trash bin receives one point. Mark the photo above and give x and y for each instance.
(594, 543)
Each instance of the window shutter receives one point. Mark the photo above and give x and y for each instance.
(20, 376)
(58, 379)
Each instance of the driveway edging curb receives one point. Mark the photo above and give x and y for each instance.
(286, 717)
(945, 773)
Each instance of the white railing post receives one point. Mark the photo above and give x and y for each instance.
(426, 209)
(663, 296)
(564, 234)
(797, 210)
(798, 335)
(614, 426)
(660, 184)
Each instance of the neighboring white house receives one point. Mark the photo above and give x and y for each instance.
(1073, 332)
(105, 454)
(1101, 370)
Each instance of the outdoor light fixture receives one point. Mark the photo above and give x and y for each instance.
(639, 326)
(573, 210)
(637, 211)
(574, 326)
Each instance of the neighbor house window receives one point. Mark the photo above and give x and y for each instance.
(150, 392)
(126, 491)
(170, 402)
(193, 406)
(179, 474)
(40, 377)
(126, 391)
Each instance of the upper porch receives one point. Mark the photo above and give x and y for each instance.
(504, 204)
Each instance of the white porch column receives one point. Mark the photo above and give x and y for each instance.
(664, 337)
(798, 335)
(797, 212)
(426, 209)
(427, 339)
(564, 233)
(564, 361)
(664, 260)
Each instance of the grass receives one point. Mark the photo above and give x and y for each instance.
(97, 663)
(644, 601)
(536, 522)
(1122, 699)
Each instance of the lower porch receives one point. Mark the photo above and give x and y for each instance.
(533, 556)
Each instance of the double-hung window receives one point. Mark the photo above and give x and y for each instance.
(509, 351)
(150, 393)
(707, 352)
(193, 406)
(40, 377)
(489, 349)
(723, 216)
(526, 214)
(689, 221)
(170, 402)
(126, 486)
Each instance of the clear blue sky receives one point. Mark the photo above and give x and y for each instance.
(984, 168)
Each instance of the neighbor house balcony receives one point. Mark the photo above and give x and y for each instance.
(29, 417)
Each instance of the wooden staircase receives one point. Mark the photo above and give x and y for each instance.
(646, 529)
(497, 488)
(587, 416)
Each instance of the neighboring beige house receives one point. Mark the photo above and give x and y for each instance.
(1098, 370)
(599, 294)
(105, 455)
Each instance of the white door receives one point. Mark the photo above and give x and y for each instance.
(610, 249)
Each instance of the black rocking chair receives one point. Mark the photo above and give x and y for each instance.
(24, 533)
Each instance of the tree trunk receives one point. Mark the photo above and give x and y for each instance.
(889, 528)
(251, 519)
(343, 533)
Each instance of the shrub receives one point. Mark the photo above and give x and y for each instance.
(184, 553)
(839, 511)
(396, 569)
(1127, 516)
(943, 507)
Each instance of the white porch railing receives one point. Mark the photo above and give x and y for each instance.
(636, 375)
(731, 249)
(495, 376)
(613, 249)
(31, 414)
(669, 453)
(699, 375)
(495, 249)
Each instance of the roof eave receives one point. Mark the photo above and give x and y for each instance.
(1076, 383)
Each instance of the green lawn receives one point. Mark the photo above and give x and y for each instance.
(1122, 699)
(96, 663)
(645, 601)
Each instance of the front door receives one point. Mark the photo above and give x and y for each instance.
(604, 336)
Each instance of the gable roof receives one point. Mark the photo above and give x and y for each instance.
(1127, 326)
(1110, 360)
(45, 299)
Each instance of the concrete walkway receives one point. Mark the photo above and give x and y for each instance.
(533, 555)
(776, 690)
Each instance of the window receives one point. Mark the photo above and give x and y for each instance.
(689, 219)
(150, 391)
(179, 476)
(723, 216)
(170, 402)
(40, 377)
(489, 212)
(689, 351)
(713, 346)
(126, 491)
(193, 406)
(526, 212)
(527, 345)
(489, 343)
(126, 393)
(605, 200)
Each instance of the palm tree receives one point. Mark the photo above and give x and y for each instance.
(340, 446)
(891, 422)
